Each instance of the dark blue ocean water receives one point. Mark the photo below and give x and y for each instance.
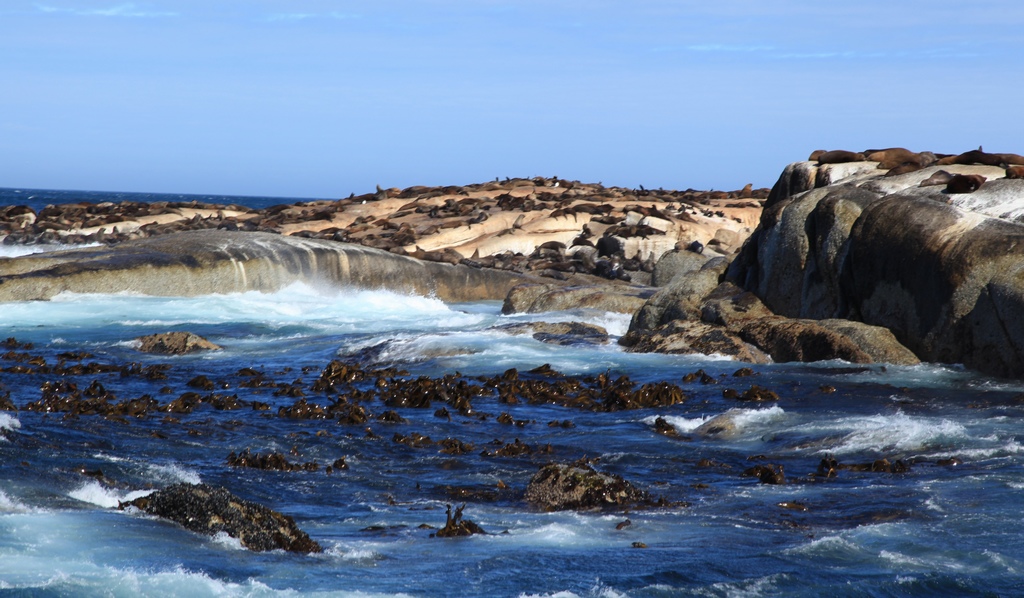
(38, 199)
(933, 530)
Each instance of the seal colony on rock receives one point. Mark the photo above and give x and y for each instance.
(496, 225)
(530, 243)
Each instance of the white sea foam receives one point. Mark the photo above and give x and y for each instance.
(745, 589)
(225, 540)
(742, 419)
(828, 548)
(95, 493)
(553, 534)
(998, 447)
(110, 581)
(598, 591)
(1001, 561)
(20, 250)
(929, 562)
(363, 552)
(8, 423)
(681, 424)
(341, 310)
(11, 505)
(173, 473)
(889, 433)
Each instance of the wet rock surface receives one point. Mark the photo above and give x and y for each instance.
(175, 343)
(456, 526)
(579, 486)
(210, 510)
(561, 333)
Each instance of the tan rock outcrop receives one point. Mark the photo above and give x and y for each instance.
(175, 343)
(944, 272)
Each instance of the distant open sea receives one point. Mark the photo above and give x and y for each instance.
(38, 199)
(936, 529)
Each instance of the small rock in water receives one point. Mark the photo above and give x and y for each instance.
(767, 474)
(456, 526)
(209, 510)
(578, 486)
(175, 343)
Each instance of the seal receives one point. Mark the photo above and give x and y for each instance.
(890, 157)
(1015, 172)
(978, 157)
(965, 183)
(903, 168)
(839, 157)
(940, 177)
(608, 246)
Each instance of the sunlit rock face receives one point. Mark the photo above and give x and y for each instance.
(943, 271)
(210, 261)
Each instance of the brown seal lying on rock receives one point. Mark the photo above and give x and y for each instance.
(965, 183)
(836, 157)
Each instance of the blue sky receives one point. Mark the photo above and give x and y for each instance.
(320, 98)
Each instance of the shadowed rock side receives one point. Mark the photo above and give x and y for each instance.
(941, 269)
(210, 261)
(692, 315)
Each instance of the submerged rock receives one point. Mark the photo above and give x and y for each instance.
(210, 510)
(561, 333)
(175, 343)
(578, 486)
(533, 298)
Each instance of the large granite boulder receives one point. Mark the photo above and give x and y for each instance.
(219, 261)
(680, 300)
(211, 510)
(731, 321)
(944, 272)
(675, 262)
(728, 305)
(786, 339)
(687, 337)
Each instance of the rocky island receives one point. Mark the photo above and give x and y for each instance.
(523, 371)
(879, 256)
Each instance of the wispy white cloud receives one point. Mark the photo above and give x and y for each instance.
(302, 16)
(728, 48)
(773, 52)
(128, 9)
